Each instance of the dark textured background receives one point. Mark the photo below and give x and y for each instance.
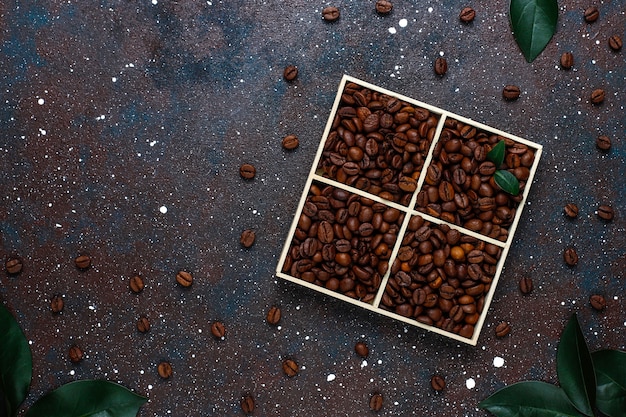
(150, 104)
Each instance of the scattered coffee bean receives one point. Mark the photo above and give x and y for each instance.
(247, 238)
(13, 265)
(376, 402)
(567, 60)
(218, 330)
(571, 210)
(330, 14)
(290, 72)
(606, 212)
(441, 66)
(598, 302)
(503, 329)
(383, 7)
(57, 304)
(273, 315)
(136, 284)
(591, 14)
(467, 15)
(76, 354)
(290, 367)
(597, 96)
(165, 370)
(615, 43)
(82, 262)
(526, 285)
(143, 325)
(511, 92)
(247, 171)
(570, 256)
(603, 143)
(290, 142)
(247, 404)
(361, 349)
(184, 278)
(437, 382)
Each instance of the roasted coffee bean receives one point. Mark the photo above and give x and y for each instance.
(526, 285)
(606, 212)
(438, 383)
(218, 330)
(290, 367)
(184, 278)
(76, 354)
(376, 402)
(598, 302)
(591, 14)
(467, 15)
(603, 143)
(361, 349)
(82, 262)
(143, 324)
(597, 96)
(567, 60)
(247, 238)
(615, 43)
(290, 142)
(290, 73)
(13, 265)
(384, 6)
(570, 256)
(57, 304)
(503, 329)
(273, 315)
(571, 210)
(136, 284)
(440, 66)
(247, 171)
(247, 404)
(330, 13)
(165, 370)
(511, 92)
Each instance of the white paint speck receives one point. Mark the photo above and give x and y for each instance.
(430, 10)
(155, 2)
(498, 362)
(40, 101)
(403, 23)
(114, 79)
(163, 209)
(364, 363)
(470, 383)
(392, 31)
(330, 377)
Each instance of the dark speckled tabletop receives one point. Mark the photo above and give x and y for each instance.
(122, 128)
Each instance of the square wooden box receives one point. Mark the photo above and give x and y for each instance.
(388, 222)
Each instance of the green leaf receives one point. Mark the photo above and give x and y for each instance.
(16, 364)
(496, 154)
(574, 368)
(530, 399)
(506, 181)
(534, 23)
(610, 367)
(88, 398)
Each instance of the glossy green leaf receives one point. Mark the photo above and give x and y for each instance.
(534, 23)
(88, 398)
(530, 399)
(16, 364)
(496, 154)
(506, 181)
(574, 368)
(610, 367)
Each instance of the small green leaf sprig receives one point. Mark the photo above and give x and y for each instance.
(503, 178)
(589, 381)
(533, 23)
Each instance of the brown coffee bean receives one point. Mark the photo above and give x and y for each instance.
(76, 354)
(571, 210)
(218, 330)
(437, 382)
(376, 402)
(615, 43)
(247, 171)
(290, 142)
(330, 13)
(503, 329)
(247, 238)
(570, 256)
(441, 66)
(136, 284)
(606, 212)
(143, 324)
(597, 96)
(165, 370)
(13, 265)
(591, 14)
(57, 304)
(290, 72)
(467, 15)
(82, 262)
(273, 315)
(247, 404)
(526, 285)
(184, 278)
(383, 7)
(603, 143)
(290, 367)
(567, 60)
(598, 302)
(361, 349)
(511, 92)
